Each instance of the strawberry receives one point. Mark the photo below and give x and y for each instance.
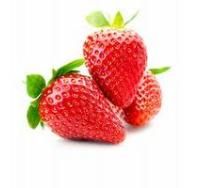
(116, 58)
(148, 99)
(74, 107)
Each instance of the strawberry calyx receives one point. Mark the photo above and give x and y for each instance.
(67, 68)
(35, 84)
(159, 70)
(99, 20)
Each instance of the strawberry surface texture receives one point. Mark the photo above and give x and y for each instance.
(116, 59)
(75, 108)
(147, 102)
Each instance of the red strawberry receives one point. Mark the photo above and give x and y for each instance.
(116, 59)
(75, 108)
(118, 111)
(147, 102)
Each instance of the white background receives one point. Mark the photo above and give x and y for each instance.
(36, 35)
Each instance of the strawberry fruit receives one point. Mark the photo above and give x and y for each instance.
(116, 58)
(148, 99)
(79, 107)
(74, 107)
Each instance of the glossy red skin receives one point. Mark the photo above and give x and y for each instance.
(147, 102)
(116, 59)
(75, 108)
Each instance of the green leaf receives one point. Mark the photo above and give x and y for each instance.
(33, 116)
(68, 67)
(41, 124)
(118, 21)
(97, 19)
(159, 70)
(34, 85)
(132, 18)
(53, 72)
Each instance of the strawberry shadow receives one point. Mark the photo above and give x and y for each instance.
(134, 129)
(81, 142)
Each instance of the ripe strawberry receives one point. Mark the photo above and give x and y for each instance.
(116, 59)
(147, 102)
(118, 111)
(73, 106)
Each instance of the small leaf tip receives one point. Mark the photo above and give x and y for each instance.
(118, 21)
(97, 19)
(159, 70)
(132, 18)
